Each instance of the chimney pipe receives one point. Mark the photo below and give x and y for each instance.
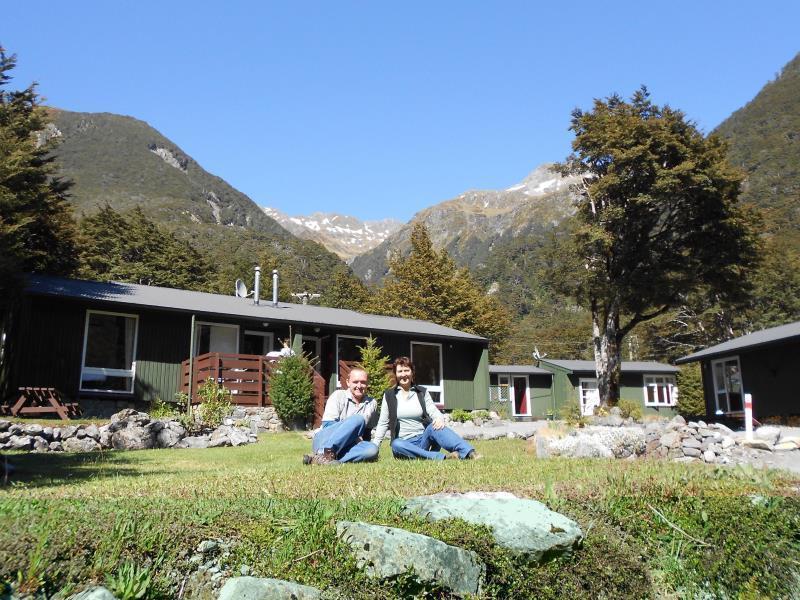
(257, 289)
(275, 287)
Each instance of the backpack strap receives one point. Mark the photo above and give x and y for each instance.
(421, 397)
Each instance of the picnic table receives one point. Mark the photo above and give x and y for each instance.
(41, 401)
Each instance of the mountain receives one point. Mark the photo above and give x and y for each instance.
(344, 235)
(471, 225)
(764, 138)
(126, 163)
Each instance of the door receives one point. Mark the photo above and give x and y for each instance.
(521, 403)
(589, 396)
(257, 342)
(216, 337)
(312, 348)
(728, 388)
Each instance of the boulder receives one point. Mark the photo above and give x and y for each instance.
(690, 442)
(757, 444)
(195, 441)
(768, 433)
(388, 552)
(671, 439)
(133, 437)
(56, 447)
(94, 593)
(20, 442)
(723, 428)
(691, 451)
(727, 442)
(40, 444)
(76, 444)
(526, 527)
(676, 422)
(68, 431)
(255, 588)
(785, 445)
(4, 425)
(32, 429)
(92, 431)
(169, 436)
(105, 436)
(709, 456)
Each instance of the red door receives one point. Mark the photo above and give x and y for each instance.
(521, 396)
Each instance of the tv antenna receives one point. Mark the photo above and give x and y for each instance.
(305, 296)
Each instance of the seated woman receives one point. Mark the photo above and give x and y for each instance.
(415, 424)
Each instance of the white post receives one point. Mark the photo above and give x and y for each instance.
(748, 416)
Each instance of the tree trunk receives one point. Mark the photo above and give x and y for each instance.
(607, 338)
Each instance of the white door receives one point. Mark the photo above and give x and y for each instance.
(216, 337)
(589, 396)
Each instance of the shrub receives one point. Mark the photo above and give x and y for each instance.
(374, 363)
(570, 411)
(291, 389)
(480, 414)
(130, 582)
(159, 409)
(215, 403)
(460, 415)
(630, 408)
(691, 401)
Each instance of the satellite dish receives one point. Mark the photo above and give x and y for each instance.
(241, 289)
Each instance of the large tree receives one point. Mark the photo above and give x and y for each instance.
(657, 217)
(427, 285)
(37, 232)
(134, 249)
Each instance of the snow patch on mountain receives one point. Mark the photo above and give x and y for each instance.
(345, 235)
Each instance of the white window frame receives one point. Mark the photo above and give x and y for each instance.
(722, 361)
(651, 380)
(110, 372)
(264, 334)
(433, 388)
(581, 395)
(513, 393)
(196, 334)
(350, 337)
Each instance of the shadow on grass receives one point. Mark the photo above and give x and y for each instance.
(51, 469)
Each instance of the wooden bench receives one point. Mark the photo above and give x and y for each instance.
(41, 401)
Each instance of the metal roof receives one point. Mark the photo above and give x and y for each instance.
(518, 369)
(578, 366)
(765, 337)
(132, 294)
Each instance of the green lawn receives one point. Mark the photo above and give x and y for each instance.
(653, 529)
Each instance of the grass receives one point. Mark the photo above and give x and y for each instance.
(653, 529)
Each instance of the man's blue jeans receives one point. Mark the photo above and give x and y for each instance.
(428, 443)
(344, 437)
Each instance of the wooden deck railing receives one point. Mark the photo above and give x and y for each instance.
(345, 366)
(245, 375)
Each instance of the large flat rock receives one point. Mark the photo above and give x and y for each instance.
(387, 552)
(257, 588)
(525, 527)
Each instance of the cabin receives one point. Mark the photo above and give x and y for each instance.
(763, 364)
(111, 345)
(540, 391)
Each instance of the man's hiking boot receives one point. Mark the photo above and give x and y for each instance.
(451, 456)
(326, 457)
(473, 456)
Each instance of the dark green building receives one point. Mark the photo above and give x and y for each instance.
(764, 364)
(113, 345)
(541, 391)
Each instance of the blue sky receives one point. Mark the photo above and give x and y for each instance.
(379, 109)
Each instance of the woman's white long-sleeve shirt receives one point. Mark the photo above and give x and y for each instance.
(409, 415)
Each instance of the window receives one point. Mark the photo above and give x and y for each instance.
(109, 348)
(427, 359)
(499, 388)
(257, 342)
(728, 387)
(216, 337)
(588, 395)
(660, 390)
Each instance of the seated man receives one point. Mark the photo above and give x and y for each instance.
(348, 415)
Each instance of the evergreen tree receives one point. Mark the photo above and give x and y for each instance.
(657, 219)
(37, 231)
(347, 291)
(427, 285)
(374, 363)
(134, 249)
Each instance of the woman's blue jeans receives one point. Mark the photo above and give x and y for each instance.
(428, 443)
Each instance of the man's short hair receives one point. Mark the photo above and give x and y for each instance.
(362, 369)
